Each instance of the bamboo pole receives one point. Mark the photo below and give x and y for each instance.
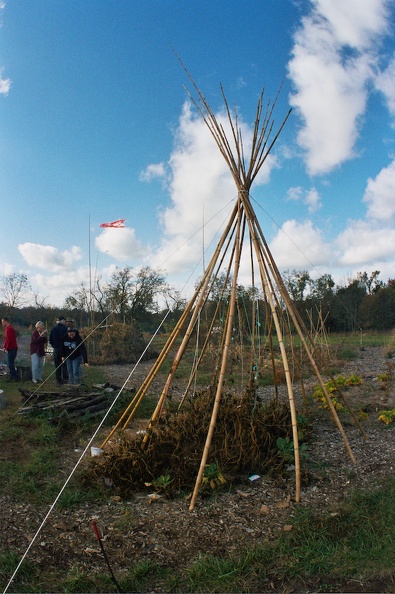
(133, 405)
(268, 291)
(198, 307)
(132, 408)
(266, 256)
(210, 330)
(223, 365)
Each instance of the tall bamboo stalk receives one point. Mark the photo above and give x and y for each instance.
(228, 334)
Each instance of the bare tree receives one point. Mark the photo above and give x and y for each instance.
(133, 295)
(80, 300)
(99, 298)
(15, 290)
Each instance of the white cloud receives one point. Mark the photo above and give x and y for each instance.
(299, 245)
(121, 244)
(362, 244)
(311, 198)
(240, 83)
(295, 193)
(55, 288)
(355, 22)
(380, 194)
(202, 191)
(48, 257)
(385, 82)
(6, 268)
(153, 171)
(332, 61)
(5, 84)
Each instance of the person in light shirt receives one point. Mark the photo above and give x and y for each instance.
(37, 352)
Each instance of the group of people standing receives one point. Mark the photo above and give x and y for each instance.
(69, 351)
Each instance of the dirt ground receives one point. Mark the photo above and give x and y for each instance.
(164, 531)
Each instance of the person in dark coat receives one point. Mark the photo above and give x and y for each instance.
(56, 339)
(75, 355)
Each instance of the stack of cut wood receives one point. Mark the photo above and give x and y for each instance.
(74, 402)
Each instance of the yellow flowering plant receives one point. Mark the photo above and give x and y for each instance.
(332, 387)
(387, 416)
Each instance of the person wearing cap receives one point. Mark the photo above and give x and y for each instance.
(75, 355)
(37, 351)
(56, 339)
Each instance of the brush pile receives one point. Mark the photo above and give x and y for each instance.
(73, 403)
(170, 451)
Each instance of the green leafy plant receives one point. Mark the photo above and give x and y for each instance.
(387, 416)
(162, 484)
(303, 426)
(287, 449)
(212, 476)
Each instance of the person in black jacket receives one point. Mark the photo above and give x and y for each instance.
(56, 339)
(75, 355)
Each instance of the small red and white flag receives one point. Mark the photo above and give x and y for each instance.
(114, 225)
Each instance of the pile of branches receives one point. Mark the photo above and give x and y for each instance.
(73, 403)
(244, 442)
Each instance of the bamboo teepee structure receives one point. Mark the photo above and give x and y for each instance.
(243, 229)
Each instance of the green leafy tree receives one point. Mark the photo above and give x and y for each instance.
(345, 312)
(296, 283)
(323, 289)
(378, 309)
(371, 283)
(118, 291)
(148, 285)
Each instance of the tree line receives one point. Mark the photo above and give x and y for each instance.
(129, 296)
(364, 302)
(142, 297)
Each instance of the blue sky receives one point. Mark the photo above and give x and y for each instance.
(95, 125)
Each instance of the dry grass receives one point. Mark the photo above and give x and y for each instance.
(244, 440)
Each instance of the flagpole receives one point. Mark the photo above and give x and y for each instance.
(203, 262)
(90, 269)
